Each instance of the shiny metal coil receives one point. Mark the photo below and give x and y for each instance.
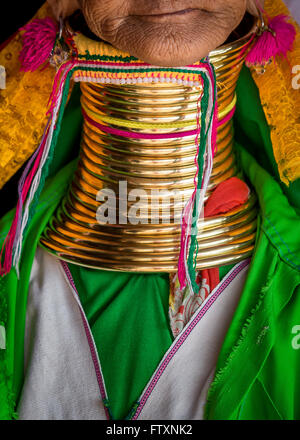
(151, 167)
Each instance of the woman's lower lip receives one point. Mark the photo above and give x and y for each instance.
(168, 16)
(183, 11)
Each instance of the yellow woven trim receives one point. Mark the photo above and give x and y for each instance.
(150, 125)
(84, 44)
(134, 75)
(281, 104)
(23, 106)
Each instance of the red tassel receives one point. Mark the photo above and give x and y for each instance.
(277, 38)
(38, 43)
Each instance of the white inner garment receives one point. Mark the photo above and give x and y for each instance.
(60, 379)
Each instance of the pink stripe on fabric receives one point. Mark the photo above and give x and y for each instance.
(135, 135)
(89, 338)
(214, 296)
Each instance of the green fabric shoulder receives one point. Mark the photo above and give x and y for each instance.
(257, 370)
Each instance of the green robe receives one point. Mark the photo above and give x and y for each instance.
(257, 370)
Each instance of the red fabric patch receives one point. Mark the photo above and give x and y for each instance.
(212, 277)
(228, 195)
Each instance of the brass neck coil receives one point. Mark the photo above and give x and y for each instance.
(164, 166)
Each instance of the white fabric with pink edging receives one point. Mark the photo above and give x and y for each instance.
(63, 379)
(60, 381)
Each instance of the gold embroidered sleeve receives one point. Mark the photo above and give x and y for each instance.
(281, 104)
(23, 107)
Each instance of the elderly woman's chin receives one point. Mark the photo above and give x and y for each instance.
(161, 32)
(170, 34)
(171, 43)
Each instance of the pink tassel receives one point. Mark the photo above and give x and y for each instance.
(38, 43)
(277, 38)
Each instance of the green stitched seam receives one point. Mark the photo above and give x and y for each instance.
(283, 242)
(108, 407)
(271, 400)
(133, 411)
(88, 56)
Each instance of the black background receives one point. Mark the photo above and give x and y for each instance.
(15, 13)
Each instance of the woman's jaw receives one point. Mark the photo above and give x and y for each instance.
(161, 32)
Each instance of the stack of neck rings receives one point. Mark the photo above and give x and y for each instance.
(141, 159)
